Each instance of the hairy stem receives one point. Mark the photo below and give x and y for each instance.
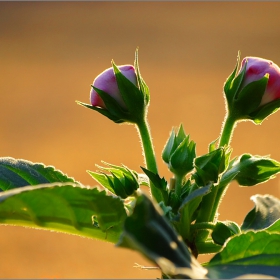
(149, 155)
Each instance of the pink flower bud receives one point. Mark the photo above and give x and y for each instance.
(107, 82)
(256, 69)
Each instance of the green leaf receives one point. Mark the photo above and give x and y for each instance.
(16, 173)
(264, 214)
(188, 208)
(250, 248)
(275, 227)
(148, 232)
(224, 230)
(159, 183)
(64, 207)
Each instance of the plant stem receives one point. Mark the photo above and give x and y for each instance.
(178, 185)
(149, 155)
(227, 130)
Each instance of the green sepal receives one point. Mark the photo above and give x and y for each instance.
(181, 161)
(132, 96)
(142, 85)
(229, 90)
(224, 230)
(244, 104)
(168, 147)
(159, 183)
(252, 170)
(264, 111)
(264, 214)
(104, 112)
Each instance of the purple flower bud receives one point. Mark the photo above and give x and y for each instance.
(107, 82)
(255, 70)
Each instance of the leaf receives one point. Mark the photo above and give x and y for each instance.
(187, 209)
(264, 214)
(275, 227)
(250, 248)
(64, 207)
(224, 230)
(159, 183)
(253, 252)
(147, 231)
(16, 173)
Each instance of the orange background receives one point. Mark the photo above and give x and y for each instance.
(50, 54)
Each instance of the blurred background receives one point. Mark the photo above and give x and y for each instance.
(50, 54)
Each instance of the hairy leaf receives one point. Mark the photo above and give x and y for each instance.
(16, 173)
(64, 207)
(147, 231)
(264, 214)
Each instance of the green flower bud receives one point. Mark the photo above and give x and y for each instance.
(250, 170)
(120, 181)
(179, 153)
(210, 166)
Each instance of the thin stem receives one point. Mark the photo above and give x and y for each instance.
(178, 184)
(227, 130)
(149, 155)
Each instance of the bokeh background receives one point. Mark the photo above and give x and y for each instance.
(51, 52)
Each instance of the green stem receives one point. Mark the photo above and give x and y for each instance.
(149, 155)
(210, 205)
(227, 130)
(178, 184)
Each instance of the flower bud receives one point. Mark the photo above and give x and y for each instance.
(250, 170)
(256, 69)
(107, 82)
(254, 92)
(179, 153)
(120, 181)
(120, 94)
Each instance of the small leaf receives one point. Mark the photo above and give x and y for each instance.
(159, 183)
(224, 230)
(64, 207)
(275, 227)
(188, 208)
(16, 173)
(264, 214)
(148, 232)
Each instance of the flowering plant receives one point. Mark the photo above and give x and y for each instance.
(178, 221)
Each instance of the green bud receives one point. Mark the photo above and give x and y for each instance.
(120, 181)
(179, 153)
(210, 166)
(251, 170)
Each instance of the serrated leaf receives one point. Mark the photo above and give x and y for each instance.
(148, 232)
(264, 214)
(64, 207)
(16, 173)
